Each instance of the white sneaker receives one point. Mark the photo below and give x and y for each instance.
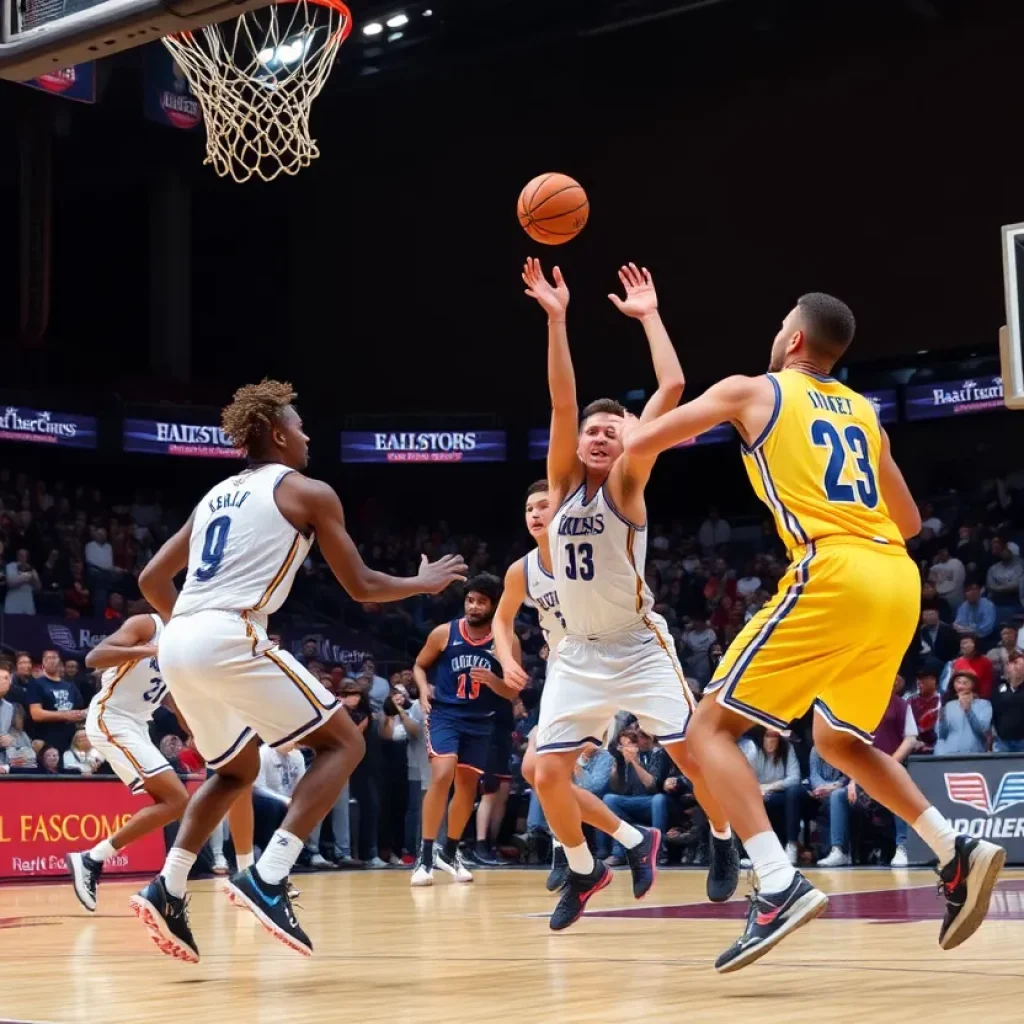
(422, 875)
(836, 859)
(746, 863)
(376, 862)
(792, 853)
(220, 866)
(899, 858)
(319, 861)
(395, 861)
(456, 867)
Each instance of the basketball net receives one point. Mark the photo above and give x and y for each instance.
(256, 78)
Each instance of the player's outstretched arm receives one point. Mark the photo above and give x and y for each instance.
(322, 513)
(132, 642)
(903, 509)
(431, 652)
(564, 470)
(156, 581)
(502, 687)
(504, 628)
(641, 303)
(745, 401)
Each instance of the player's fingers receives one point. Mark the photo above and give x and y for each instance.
(648, 278)
(559, 280)
(616, 300)
(631, 275)
(423, 561)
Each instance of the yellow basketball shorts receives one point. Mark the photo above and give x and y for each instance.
(833, 637)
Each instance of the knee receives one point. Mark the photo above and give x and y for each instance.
(548, 775)
(659, 804)
(442, 772)
(178, 801)
(613, 801)
(684, 759)
(529, 767)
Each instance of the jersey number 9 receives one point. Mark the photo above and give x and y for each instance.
(213, 547)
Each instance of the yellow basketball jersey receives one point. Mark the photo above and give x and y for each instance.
(815, 465)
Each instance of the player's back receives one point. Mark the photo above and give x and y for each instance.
(243, 553)
(135, 688)
(452, 680)
(816, 464)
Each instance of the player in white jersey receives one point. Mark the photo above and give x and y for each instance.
(617, 654)
(531, 581)
(242, 547)
(131, 689)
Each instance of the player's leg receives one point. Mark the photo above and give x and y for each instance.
(487, 810)
(435, 798)
(242, 827)
(449, 859)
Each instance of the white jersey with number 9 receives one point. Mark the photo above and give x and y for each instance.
(243, 553)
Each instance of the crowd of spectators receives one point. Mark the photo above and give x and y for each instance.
(70, 553)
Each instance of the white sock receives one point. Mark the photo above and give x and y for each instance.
(244, 860)
(581, 860)
(769, 860)
(555, 844)
(278, 858)
(176, 868)
(102, 851)
(933, 828)
(726, 834)
(627, 835)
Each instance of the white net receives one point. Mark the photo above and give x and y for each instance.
(256, 78)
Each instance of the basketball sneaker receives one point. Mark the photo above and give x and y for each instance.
(643, 861)
(966, 883)
(272, 906)
(559, 868)
(422, 874)
(456, 866)
(771, 917)
(85, 875)
(723, 870)
(576, 891)
(166, 919)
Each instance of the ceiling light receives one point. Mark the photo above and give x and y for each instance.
(398, 20)
(374, 28)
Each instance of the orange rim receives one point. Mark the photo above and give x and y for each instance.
(334, 5)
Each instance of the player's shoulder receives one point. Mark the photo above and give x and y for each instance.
(519, 568)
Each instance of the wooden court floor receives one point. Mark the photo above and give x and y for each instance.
(483, 953)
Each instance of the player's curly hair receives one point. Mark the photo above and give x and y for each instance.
(254, 409)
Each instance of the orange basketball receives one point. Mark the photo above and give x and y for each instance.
(553, 208)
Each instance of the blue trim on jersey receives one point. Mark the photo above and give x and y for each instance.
(243, 736)
(570, 744)
(611, 505)
(526, 580)
(837, 723)
(789, 521)
(540, 565)
(771, 422)
(582, 487)
(824, 378)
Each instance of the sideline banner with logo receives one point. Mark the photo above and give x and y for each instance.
(981, 795)
(71, 637)
(171, 437)
(47, 426)
(43, 819)
(77, 82)
(167, 97)
(953, 397)
(423, 446)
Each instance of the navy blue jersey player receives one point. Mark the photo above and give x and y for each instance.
(460, 685)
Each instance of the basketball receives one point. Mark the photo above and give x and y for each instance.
(553, 208)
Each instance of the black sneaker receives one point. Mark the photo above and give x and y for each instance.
(85, 875)
(966, 882)
(559, 868)
(771, 917)
(643, 861)
(576, 891)
(166, 918)
(483, 855)
(272, 906)
(724, 870)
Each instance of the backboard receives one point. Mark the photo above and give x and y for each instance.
(40, 36)
(1011, 337)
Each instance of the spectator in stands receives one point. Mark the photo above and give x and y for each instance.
(976, 615)
(6, 707)
(972, 660)
(1000, 656)
(696, 644)
(948, 575)
(926, 704)
(55, 706)
(749, 583)
(364, 780)
(99, 561)
(937, 639)
(971, 551)
(638, 779)
(930, 599)
(49, 761)
(377, 686)
(50, 599)
(965, 718)
(414, 719)
(81, 758)
(775, 763)
(18, 752)
(1008, 709)
(22, 678)
(114, 612)
(830, 787)
(22, 585)
(1005, 575)
(77, 595)
(393, 784)
(713, 532)
(896, 736)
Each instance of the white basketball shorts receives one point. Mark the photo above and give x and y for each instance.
(636, 670)
(124, 741)
(231, 683)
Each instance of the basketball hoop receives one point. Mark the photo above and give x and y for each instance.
(256, 78)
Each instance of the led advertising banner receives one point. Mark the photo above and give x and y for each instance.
(47, 426)
(953, 397)
(169, 437)
(423, 446)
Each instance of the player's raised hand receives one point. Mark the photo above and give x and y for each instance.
(641, 299)
(436, 576)
(554, 299)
